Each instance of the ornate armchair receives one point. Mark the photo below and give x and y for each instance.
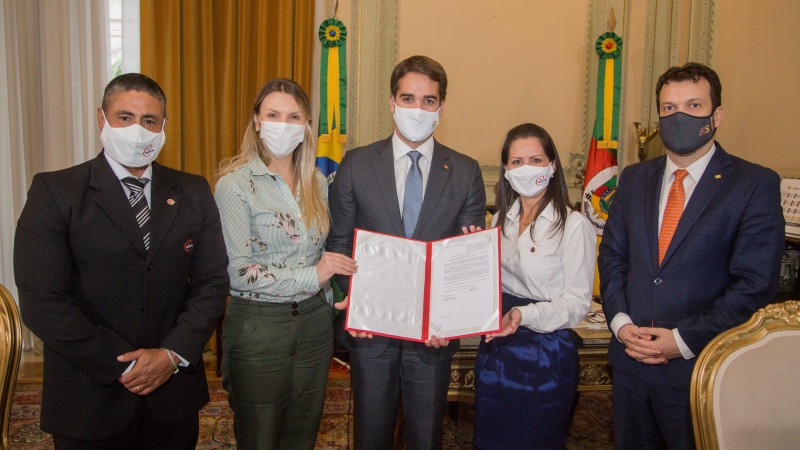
(746, 383)
(10, 353)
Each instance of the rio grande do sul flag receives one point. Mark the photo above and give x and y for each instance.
(600, 180)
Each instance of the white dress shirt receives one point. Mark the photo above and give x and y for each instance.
(122, 172)
(402, 163)
(695, 172)
(558, 270)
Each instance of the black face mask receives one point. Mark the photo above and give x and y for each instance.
(683, 134)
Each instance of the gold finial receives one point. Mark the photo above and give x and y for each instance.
(612, 19)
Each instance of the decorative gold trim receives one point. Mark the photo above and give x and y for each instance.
(592, 375)
(601, 350)
(712, 32)
(467, 354)
(647, 70)
(674, 31)
(701, 34)
(387, 58)
(373, 40)
(622, 138)
(354, 87)
(576, 166)
(770, 319)
(10, 354)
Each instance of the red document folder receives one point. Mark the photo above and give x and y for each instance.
(414, 290)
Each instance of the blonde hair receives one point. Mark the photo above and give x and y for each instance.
(313, 206)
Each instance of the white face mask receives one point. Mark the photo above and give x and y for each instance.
(132, 146)
(415, 124)
(530, 181)
(282, 138)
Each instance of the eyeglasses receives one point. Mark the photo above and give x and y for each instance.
(596, 317)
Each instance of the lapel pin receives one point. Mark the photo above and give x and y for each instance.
(445, 167)
(718, 176)
(188, 245)
(170, 201)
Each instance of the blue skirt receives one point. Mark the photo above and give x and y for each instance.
(526, 387)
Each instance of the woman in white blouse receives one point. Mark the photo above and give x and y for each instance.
(527, 374)
(278, 330)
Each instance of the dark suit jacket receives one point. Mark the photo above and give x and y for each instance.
(364, 195)
(721, 265)
(91, 292)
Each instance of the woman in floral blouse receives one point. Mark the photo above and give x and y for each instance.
(278, 330)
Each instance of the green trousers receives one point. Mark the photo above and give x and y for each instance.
(275, 363)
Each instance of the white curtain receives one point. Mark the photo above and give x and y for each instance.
(53, 68)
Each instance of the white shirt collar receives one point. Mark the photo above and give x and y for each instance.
(400, 149)
(695, 169)
(122, 172)
(548, 213)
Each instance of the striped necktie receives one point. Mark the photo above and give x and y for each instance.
(139, 205)
(672, 213)
(412, 198)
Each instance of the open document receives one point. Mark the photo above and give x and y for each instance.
(414, 290)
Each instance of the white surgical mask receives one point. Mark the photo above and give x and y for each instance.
(132, 146)
(530, 181)
(415, 124)
(282, 138)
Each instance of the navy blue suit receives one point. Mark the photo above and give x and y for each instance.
(721, 265)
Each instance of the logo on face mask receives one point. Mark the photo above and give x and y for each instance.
(678, 132)
(529, 181)
(132, 146)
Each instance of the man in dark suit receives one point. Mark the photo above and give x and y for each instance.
(691, 248)
(406, 185)
(122, 273)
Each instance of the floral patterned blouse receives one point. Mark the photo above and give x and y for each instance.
(273, 256)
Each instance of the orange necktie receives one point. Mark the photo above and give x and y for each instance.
(672, 213)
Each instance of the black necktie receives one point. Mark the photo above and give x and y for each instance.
(139, 205)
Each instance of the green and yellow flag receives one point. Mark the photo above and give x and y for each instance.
(332, 97)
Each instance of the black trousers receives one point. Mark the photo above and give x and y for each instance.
(143, 433)
(378, 383)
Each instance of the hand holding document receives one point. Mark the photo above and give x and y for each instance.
(414, 290)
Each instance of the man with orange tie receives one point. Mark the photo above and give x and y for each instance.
(691, 248)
